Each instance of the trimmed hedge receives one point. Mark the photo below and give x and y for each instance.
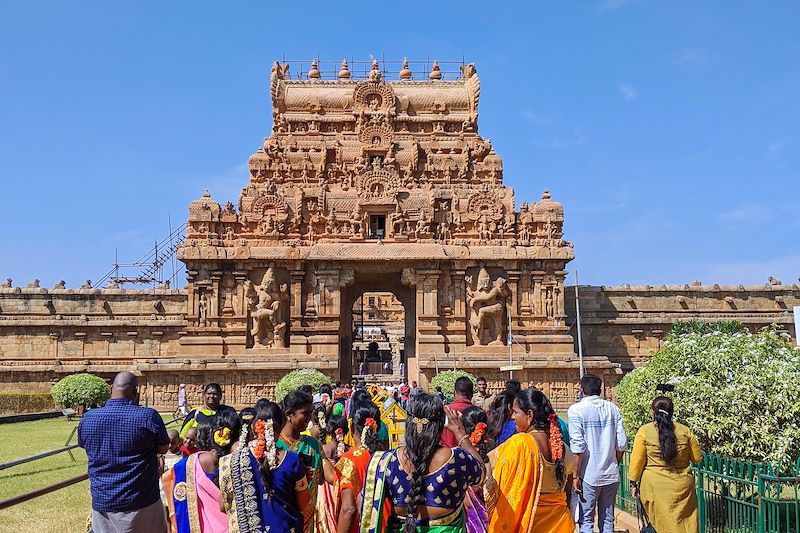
(296, 378)
(81, 390)
(25, 402)
(447, 381)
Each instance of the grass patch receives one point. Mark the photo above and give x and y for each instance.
(65, 510)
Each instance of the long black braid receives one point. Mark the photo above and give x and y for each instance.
(423, 433)
(269, 411)
(545, 418)
(362, 412)
(662, 416)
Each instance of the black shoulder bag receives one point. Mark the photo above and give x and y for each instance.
(643, 518)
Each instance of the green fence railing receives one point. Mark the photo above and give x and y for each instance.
(736, 496)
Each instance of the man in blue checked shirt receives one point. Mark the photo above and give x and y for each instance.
(122, 441)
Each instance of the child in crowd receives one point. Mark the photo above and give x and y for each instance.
(189, 442)
(174, 454)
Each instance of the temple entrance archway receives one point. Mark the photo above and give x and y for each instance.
(377, 284)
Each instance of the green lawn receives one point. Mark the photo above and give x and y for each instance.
(64, 511)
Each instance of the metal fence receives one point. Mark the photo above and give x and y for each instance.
(736, 496)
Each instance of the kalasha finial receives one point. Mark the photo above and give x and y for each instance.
(375, 73)
(344, 72)
(206, 194)
(313, 74)
(546, 194)
(435, 74)
(405, 72)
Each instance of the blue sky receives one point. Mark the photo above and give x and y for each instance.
(669, 130)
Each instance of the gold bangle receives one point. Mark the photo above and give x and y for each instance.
(461, 439)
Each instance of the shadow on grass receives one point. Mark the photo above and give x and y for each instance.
(42, 471)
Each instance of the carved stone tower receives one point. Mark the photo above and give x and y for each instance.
(378, 185)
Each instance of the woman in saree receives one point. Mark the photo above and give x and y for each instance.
(426, 483)
(192, 485)
(526, 490)
(475, 424)
(660, 470)
(351, 468)
(501, 426)
(298, 407)
(264, 488)
(328, 511)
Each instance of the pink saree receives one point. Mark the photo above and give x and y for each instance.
(212, 520)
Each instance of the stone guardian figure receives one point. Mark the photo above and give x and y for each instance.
(487, 304)
(268, 304)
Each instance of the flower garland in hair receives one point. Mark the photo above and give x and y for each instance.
(260, 429)
(370, 425)
(556, 444)
(222, 437)
(269, 444)
(477, 434)
(339, 435)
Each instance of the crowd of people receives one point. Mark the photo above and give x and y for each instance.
(320, 461)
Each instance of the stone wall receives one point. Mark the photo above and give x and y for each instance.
(627, 323)
(48, 333)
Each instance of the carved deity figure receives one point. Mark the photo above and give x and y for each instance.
(268, 304)
(487, 303)
(202, 309)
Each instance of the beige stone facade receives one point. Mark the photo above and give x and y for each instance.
(363, 186)
(627, 324)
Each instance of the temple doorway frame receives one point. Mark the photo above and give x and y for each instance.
(376, 280)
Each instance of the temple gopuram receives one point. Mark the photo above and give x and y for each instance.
(376, 185)
(365, 186)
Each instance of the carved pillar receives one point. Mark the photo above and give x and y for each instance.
(558, 297)
(459, 292)
(514, 289)
(240, 304)
(297, 279)
(537, 292)
(214, 307)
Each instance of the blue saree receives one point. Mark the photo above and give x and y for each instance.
(250, 508)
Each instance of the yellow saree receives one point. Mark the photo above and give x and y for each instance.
(522, 494)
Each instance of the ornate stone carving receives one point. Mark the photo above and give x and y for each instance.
(486, 300)
(268, 305)
(376, 137)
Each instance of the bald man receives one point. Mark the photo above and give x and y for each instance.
(122, 441)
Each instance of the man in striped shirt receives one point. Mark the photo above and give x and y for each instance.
(597, 438)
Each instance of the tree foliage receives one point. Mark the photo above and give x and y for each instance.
(738, 392)
(447, 381)
(296, 378)
(85, 390)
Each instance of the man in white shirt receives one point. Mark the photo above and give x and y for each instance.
(598, 440)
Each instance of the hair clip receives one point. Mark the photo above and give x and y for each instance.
(419, 422)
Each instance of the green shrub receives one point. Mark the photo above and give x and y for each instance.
(447, 381)
(25, 402)
(296, 378)
(84, 390)
(738, 392)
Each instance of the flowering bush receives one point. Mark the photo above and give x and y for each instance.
(738, 392)
(81, 390)
(296, 378)
(447, 381)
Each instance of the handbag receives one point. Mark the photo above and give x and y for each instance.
(643, 518)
